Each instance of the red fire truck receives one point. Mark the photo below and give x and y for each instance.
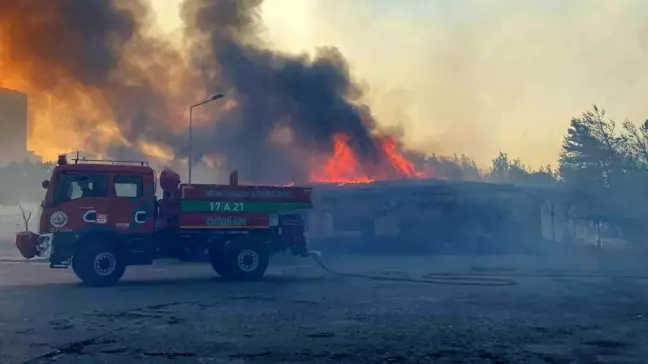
(102, 216)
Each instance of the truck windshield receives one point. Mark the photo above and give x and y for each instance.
(73, 186)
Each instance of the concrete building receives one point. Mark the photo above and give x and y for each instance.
(13, 126)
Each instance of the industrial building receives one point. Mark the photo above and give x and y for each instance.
(13, 126)
(443, 216)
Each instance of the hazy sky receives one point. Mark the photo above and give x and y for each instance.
(477, 76)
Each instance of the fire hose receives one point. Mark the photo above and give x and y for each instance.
(481, 279)
(450, 279)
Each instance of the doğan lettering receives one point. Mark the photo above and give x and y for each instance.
(226, 221)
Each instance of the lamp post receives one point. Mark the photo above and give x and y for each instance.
(213, 98)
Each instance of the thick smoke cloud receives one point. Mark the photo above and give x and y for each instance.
(306, 100)
(94, 55)
(58, 38)
(124, 88)
(478, 77)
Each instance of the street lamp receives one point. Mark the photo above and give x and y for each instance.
(213, 98)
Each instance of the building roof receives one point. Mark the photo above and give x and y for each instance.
(7, 91)
(420, 184)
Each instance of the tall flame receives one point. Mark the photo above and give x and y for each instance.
(341, 167)
(404, 166)
(344, 166)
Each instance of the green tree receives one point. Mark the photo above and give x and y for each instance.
(635, 187)
(593, 155)
(606, 170)
(500, 169)
(544, 177)
(637, 142)
(505, 170)
(461, 168)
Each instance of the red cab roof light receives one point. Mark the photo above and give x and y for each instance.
(62, 160)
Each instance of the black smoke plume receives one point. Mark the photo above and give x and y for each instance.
(309, 99)
(100, 46)
(287, 107)
(73, 37)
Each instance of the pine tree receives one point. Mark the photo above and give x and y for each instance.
(592, 155)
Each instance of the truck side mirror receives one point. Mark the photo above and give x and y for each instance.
(45, 184)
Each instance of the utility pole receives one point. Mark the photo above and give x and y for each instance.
(190, 149)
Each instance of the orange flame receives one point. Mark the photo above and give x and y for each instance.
(405, 167)
(341, 167)
(345, 167)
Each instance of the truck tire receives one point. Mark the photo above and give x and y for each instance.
(218, 261)
(97, 264)
(246, 259)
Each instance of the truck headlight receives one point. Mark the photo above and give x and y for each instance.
(44, 246)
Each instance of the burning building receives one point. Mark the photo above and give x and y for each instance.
(428, 215)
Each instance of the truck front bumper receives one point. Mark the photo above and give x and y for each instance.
(32, 245)
(57, 248)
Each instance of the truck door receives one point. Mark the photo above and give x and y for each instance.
(132, 209)
(78, 198)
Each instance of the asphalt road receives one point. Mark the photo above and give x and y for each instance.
(172, 313)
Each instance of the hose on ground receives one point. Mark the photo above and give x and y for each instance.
(444, 279)
(575, 274)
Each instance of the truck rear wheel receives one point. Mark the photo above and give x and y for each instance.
(246, 259)
(97, 264)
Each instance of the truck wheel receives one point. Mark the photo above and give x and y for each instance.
(246, 259)
(218, 262)
(97, 264)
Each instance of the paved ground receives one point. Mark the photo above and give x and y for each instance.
(182, 314)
